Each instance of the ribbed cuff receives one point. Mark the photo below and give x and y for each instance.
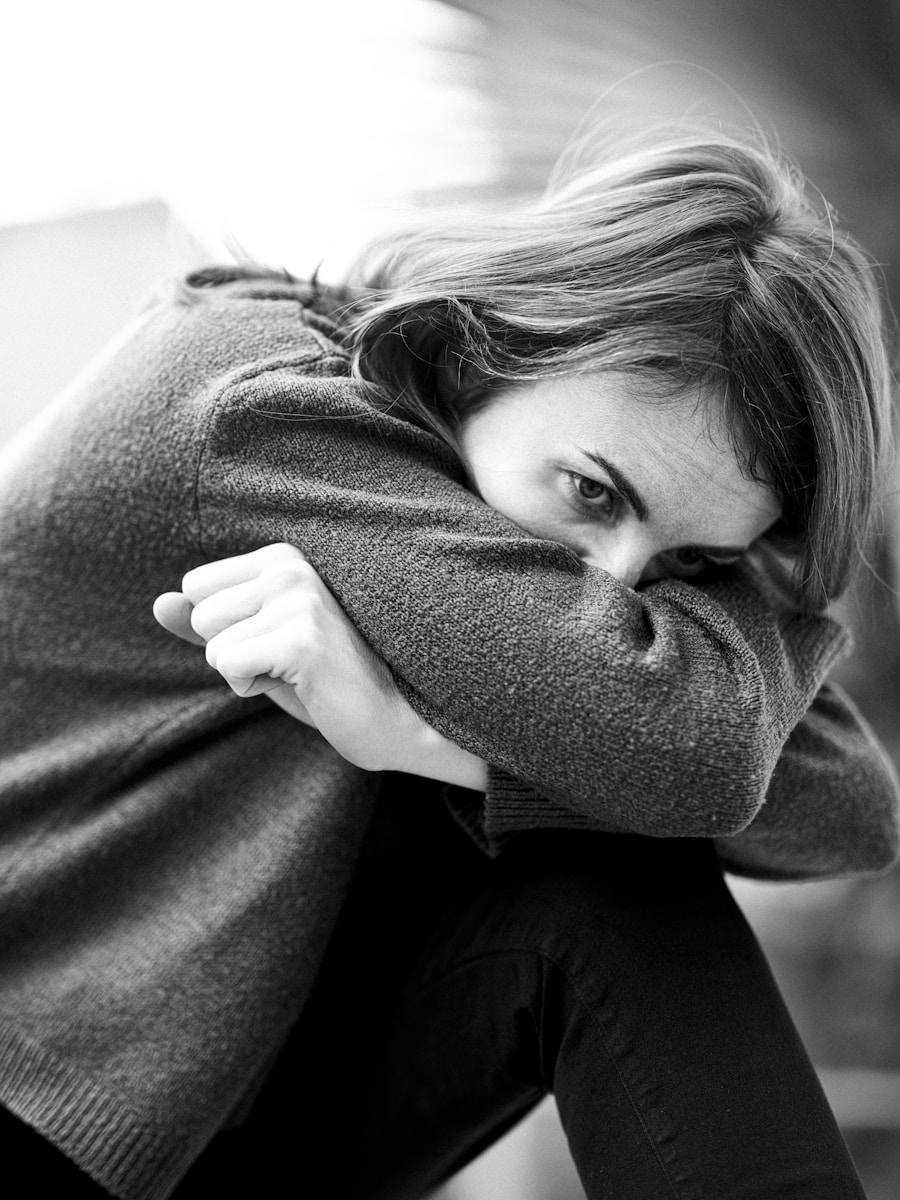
(508, 808)
(124, 1154)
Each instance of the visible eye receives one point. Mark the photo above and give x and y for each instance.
(687, 562)
(598, 498)
(683, 563)
(692, 559)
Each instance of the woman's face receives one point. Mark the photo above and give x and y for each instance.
(643, 488)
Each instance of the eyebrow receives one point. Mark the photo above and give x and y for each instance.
(640, 508)
(642, 512)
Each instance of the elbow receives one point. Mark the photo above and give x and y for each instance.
(729, 783)
(700, 781)
(734, 812)
(734, 819)
(880, 850)
(887, 848)
(877, 844)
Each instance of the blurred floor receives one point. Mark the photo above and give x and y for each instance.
(531, 1163)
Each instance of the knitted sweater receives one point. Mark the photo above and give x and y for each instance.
(172, 858)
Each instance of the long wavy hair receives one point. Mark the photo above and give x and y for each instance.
(695, 260)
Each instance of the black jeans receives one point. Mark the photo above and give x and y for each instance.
(614, 971)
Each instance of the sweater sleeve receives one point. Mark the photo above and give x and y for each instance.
(832, 807)
(661, 712)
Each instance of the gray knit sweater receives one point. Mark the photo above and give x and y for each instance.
(172, 858)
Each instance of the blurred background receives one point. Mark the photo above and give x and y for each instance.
(141, 140)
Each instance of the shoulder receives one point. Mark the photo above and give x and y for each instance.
(206, 339)
(240, 317)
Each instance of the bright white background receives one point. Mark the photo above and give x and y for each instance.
(287, 127)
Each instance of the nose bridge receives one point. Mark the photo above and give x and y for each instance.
(622, 554)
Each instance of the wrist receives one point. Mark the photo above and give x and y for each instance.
(419, 749)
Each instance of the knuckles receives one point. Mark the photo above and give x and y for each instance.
(203, 581)
(292, 574)
(280, 552)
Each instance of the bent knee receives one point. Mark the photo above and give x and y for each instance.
(564, 890)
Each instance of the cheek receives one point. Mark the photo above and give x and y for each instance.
(507, 492)
(508, 470)
(526, 501)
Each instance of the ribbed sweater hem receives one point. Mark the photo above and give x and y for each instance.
(100, 1134)
(494, 820)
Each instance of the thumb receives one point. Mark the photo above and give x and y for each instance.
(173, 611)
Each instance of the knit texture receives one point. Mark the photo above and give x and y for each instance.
(173, 858)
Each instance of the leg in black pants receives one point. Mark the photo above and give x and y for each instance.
(615, 972)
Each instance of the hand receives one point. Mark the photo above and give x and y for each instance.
(270, 625)
(173, 611)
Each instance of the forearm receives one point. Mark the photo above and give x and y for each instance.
(832, 807)
(426, 752)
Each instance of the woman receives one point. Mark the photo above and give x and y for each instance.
(176, 859)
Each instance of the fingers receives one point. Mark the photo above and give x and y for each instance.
(207, 580)
(265, 644)
(224, 609)
(173, 611)
(250, 657)
(279, 593)
(255, 613)
(244, 665)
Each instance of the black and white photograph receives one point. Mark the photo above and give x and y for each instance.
(450, 600)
